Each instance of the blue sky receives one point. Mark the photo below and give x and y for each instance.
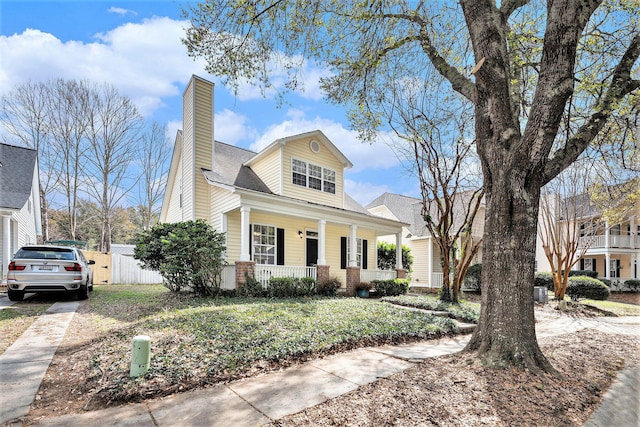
(135, 46)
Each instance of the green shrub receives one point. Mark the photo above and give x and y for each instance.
(633, 284)
(329, 287)
(387, 256)
(587, 287)
(291, 287)
(544, 278)
(606, 282)
(472, 280)
(189, 255)
(388, 288)
(588, 273)
(251, 287)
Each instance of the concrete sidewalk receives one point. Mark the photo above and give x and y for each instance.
(24, 364)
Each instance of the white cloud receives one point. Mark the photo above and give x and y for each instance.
(365, 192)
(363, 156)
(173, 127)
(145, 61)
(120, 11)
(231, 127)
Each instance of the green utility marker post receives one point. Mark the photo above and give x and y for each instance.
(140, 356)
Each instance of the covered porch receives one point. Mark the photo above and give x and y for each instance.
(296, 238)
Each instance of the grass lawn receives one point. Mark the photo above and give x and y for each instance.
(198, 341)
(16, 319)
(616, 308)
(466, 311)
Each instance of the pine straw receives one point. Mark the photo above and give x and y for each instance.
(454, 390)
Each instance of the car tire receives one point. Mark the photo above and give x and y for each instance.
(83, 293)
(15, 295)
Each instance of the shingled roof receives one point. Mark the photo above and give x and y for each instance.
(16, 175)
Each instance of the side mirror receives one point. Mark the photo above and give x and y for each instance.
(91, 262)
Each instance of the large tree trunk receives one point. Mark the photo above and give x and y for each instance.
(506, 331)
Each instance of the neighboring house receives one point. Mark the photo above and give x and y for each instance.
(283, 210)
(427, 267)
(19, 201)
(613, 250)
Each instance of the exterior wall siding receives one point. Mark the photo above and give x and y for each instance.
(187, 154)
(174, 212)
(220, 202)
(203, 145)
(420, 251)
(269, 169)
(300, 150)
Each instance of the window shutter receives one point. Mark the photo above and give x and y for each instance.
(581, 263)
(343, 253)
(280, 247)
(364, 254)
(250, 241)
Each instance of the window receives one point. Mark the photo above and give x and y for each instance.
(358, 251)
(299, 170)
(264, 244)
(313, 176)
(329, 181)
(588, 264)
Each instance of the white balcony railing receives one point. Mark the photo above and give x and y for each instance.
(623, 242)
(264, 272)
(370, 275)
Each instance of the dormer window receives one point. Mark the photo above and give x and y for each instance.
(313, 176)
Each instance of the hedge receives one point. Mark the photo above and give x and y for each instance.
(587, 287)
(390, 288)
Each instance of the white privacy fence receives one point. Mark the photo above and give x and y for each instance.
(125, 270)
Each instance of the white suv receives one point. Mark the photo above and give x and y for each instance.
(49, 269)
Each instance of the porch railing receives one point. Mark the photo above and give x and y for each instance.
(264, 272)
(370, 275)
(600, 241)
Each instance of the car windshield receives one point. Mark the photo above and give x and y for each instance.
(45, 253)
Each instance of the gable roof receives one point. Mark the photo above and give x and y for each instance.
(16, 175)
(313, 134)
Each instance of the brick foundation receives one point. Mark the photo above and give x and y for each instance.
(353, 279)
(241, 268)
(402, 273)
(323, 272)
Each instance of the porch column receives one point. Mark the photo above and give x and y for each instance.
(353, 244)
(6, 245)
(322, 259)
(353, 271)
(606, 239)
(633, 233)
(399, 251)
(245, 219)
(430, 261)
(607, 263)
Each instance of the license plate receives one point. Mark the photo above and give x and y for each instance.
(45, 268)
